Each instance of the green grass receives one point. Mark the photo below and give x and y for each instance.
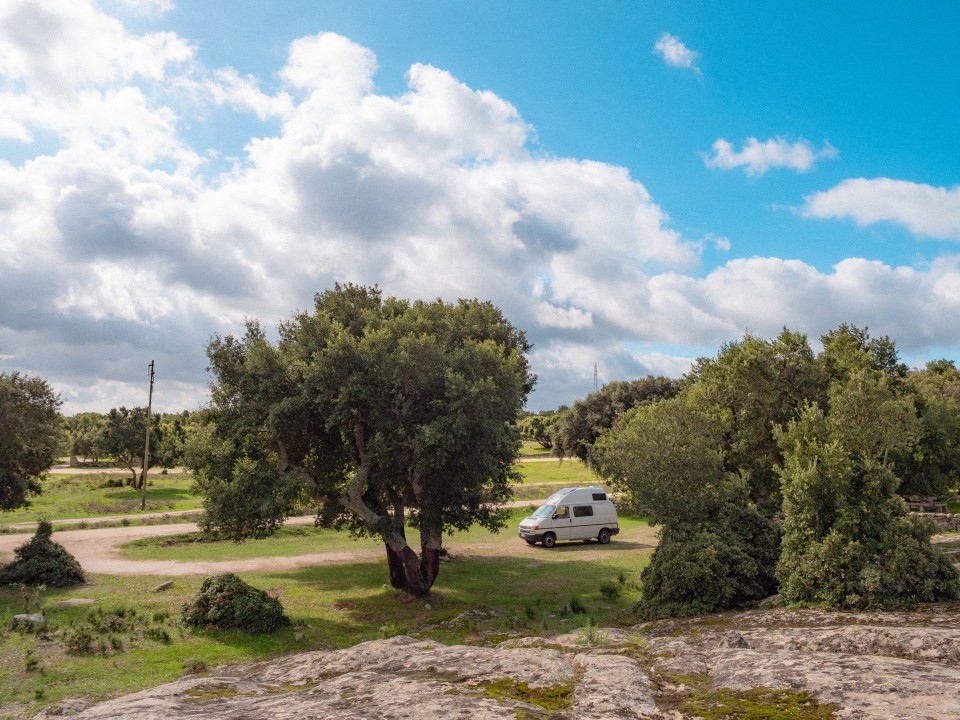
(331, 606)
(531, 448)
(289, 541)
(568, 471)
(89, 496)
(299, 540)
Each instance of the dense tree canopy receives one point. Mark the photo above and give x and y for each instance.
(382, 411)
(123, 435)
(715, 549)
(83, 435)
(848, 541)
(576, 429)
(767, 428)
(760, 384)
(29, 436)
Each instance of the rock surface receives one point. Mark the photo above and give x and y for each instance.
(866, 665)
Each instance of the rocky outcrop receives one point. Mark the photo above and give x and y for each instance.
(855, 665)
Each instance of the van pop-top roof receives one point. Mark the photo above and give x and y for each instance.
(577, 495)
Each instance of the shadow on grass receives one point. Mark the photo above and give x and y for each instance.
(339, 606)
(131, 493)
(577, 546)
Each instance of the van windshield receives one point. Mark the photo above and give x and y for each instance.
(545, 511)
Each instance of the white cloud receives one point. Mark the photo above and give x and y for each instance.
(757, 157)
(675, 53)
(117, 249)
(922, 209)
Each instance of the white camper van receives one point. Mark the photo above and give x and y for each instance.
(578, 513)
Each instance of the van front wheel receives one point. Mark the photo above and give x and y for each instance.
(604, 537)
(549, 540)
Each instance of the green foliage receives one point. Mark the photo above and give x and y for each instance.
(716, 550)
(41, 561)
(123, 435)
(575, 430)
(537, 428)
(850, 350)
(82, 435)
(933, 465)
(611, 590)
(757, 384)
(226, 602)
(29, 436)
(381, 410)
(666, 459)
(848, 542)
(726, 560)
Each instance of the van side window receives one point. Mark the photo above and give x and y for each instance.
(599, 496)
(582, 510)
(561, 512)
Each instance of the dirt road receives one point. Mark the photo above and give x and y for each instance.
(97, 550)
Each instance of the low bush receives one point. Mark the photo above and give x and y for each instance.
(712, 565)
(226, 602)
(611, 590)
(41, 561)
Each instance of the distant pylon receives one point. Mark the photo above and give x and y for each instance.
(596, 378)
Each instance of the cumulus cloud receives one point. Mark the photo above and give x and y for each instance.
(756, 157)
(923, 209)
(675, 53)
(121, 247)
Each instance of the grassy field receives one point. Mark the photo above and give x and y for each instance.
(91, 495)
(569, 471)
(130, 637)
(510, 590)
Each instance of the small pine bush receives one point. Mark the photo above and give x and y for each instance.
(41, 561)
(225, 601)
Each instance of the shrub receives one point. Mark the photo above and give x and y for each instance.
(225, 601)
(611, 590)
(710, 565)
(41, 561)
(79, 642)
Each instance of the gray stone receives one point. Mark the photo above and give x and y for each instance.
(733, 639)
(872, 666)
(29, 619)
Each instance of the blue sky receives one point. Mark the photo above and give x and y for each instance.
(634, 183)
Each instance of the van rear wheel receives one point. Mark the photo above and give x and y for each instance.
(604, 537)
(549, 540)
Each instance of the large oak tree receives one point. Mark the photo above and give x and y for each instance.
(386, 413)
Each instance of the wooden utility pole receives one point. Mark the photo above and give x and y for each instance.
(146, 447)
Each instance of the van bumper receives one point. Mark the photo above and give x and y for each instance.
(531, 536)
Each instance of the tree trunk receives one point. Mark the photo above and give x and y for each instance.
(412, 574)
